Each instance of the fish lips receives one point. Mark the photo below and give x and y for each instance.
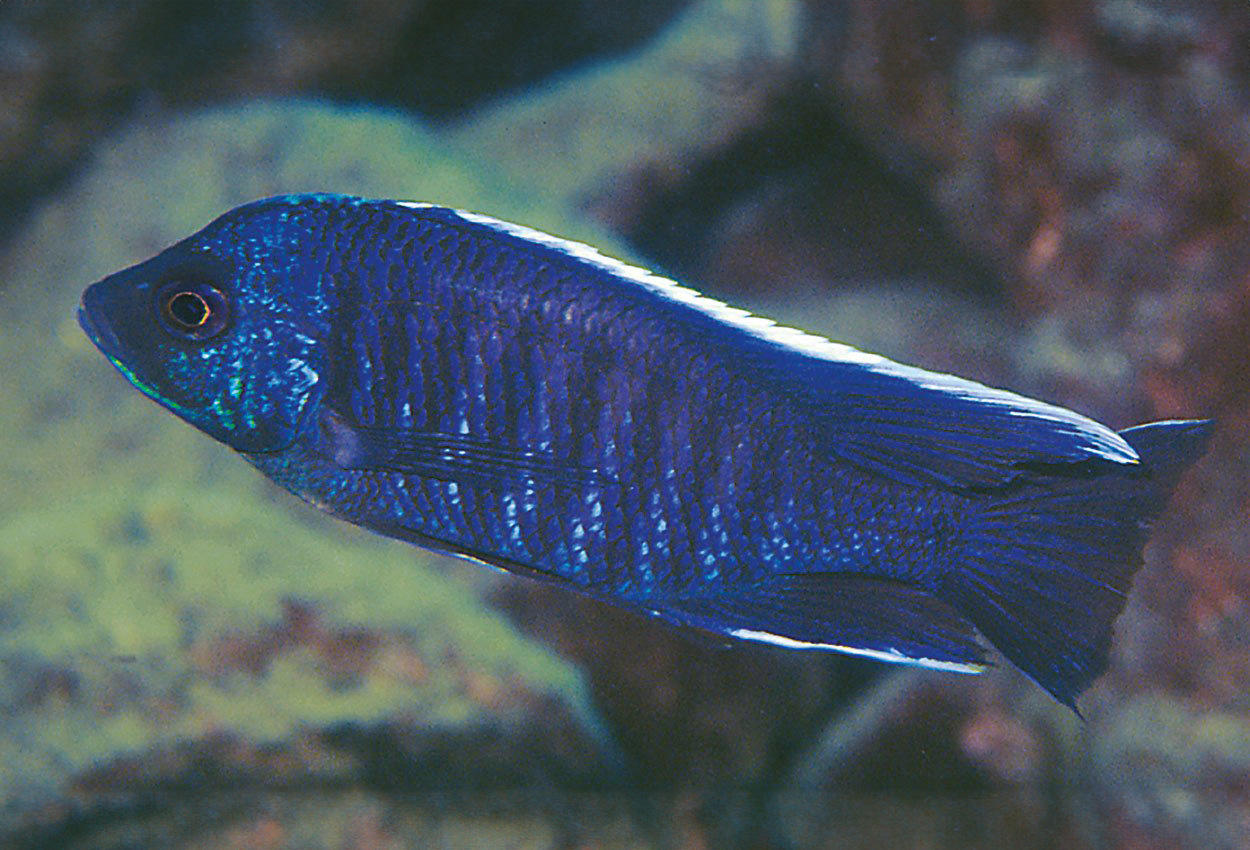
(116, 315)
(95, 324)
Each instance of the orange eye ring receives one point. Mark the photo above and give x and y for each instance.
(188, 310)
(192, 309)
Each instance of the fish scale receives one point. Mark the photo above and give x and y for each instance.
(485, 389)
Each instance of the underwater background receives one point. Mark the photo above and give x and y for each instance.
(1048, 196)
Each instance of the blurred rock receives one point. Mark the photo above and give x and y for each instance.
(796, 206)
(916, 745)
(329, 819)
(71, 70)
(167, 618)
(1004, 746)
(1176, 775)
(688, 716)
(835, 820)
(604, 138)
(1095, 154)
(1082, 166)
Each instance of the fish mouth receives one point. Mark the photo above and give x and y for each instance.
(95, 327)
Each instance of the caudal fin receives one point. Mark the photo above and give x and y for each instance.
(1046, 567)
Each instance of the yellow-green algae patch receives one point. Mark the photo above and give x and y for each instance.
(149, 576)
(706, 77)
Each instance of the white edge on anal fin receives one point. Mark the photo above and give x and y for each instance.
(889, 656)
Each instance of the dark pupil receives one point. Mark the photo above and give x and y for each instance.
(188, 309)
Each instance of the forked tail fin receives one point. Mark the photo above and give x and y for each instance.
(1046, 567)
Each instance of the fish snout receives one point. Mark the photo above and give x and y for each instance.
(94, 322)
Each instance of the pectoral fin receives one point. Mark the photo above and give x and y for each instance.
(462, 458)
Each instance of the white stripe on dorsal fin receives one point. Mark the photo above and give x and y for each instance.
(811, 344)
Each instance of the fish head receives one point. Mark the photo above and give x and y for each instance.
(224, 329)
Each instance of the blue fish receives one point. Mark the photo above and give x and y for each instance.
(484, 389)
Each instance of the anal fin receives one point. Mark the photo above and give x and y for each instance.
(874, 618)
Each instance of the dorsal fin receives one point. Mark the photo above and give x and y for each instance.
(919, 427)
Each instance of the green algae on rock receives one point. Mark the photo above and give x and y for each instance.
(156, 595)
(705, 78)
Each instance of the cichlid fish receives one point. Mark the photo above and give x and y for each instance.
(483, 389)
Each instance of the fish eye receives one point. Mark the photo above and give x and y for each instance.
(192, 309)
